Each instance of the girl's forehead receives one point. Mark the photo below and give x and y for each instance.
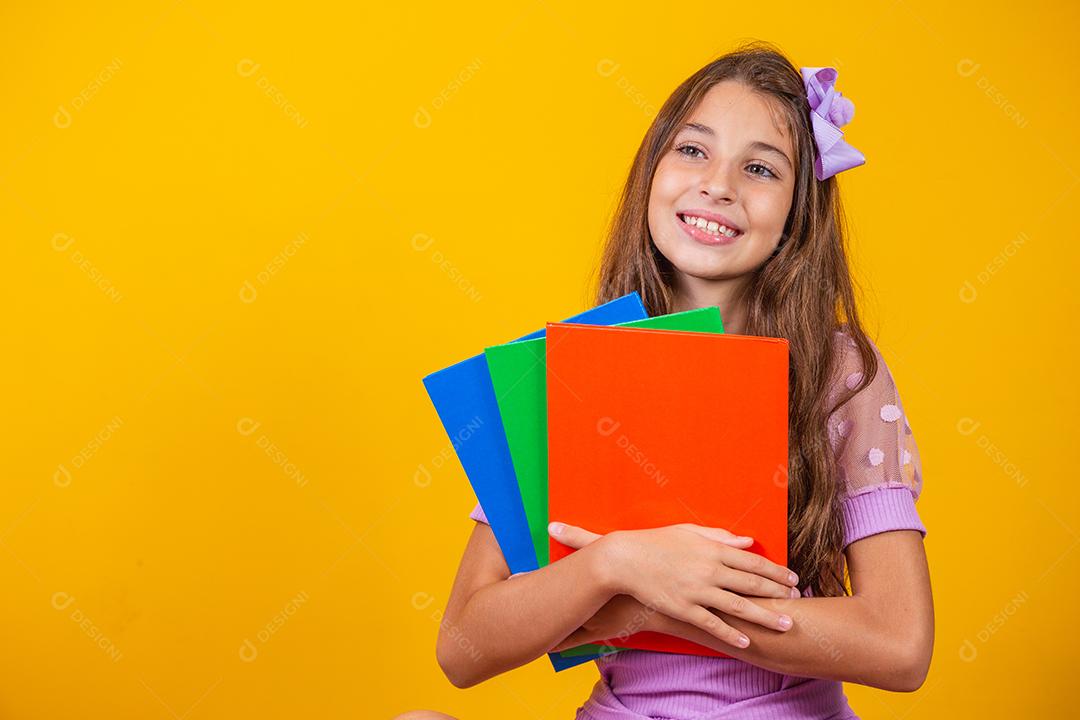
(734, 111)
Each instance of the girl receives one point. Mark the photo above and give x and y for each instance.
(731, 201)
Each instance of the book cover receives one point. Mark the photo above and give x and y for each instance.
(649, 428)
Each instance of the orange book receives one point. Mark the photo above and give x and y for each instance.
(658, 427)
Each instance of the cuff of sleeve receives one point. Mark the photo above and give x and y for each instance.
(478, 515)
(880, 510)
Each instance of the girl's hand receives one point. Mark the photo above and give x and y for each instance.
(684, 570)
(621, 616)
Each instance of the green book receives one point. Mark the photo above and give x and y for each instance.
(519, 376)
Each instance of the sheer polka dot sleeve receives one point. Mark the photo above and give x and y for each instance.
(880, 473)
(478, 514)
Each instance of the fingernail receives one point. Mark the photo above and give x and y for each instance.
(746, 537)
(555, 528)
(792, 577)
(785, 622)
(795, 593)
(743, 641)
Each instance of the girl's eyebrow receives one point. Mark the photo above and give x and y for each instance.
(756, 145)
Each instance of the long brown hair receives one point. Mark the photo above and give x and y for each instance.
(804, 293)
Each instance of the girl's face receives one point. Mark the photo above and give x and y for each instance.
(729, 165)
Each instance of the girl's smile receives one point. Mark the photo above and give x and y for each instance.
(708, 227)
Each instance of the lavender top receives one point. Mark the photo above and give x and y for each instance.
(880, 478)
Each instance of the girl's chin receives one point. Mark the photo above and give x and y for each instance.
(703, 265)
(705, 274)
(690, 254)
(702, 270)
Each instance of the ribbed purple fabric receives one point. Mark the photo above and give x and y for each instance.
(636, 684)
(640, 685)
(878, 510)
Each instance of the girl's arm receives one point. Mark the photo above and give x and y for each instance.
(881, 636)
(493, 624)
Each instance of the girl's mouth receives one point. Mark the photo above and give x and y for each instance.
(708, 233)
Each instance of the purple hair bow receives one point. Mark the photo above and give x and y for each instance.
(829, 110)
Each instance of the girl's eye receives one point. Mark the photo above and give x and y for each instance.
(759, 165)
(691, 149)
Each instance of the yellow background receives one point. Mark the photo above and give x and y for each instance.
(235, 237)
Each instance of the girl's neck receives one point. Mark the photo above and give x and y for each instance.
(692, 293)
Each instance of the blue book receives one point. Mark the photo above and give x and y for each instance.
(464, 398)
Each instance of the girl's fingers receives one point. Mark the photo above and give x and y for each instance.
(571, 535)
(758, 565)
(746, 583)
(716, 627)
(721, 535)
(748, 610)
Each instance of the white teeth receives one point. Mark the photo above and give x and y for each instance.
(709, 226)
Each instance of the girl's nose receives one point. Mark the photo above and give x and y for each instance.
(718, 185)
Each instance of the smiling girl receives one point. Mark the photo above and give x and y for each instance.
(732, 201)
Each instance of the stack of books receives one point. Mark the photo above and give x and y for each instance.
(613, 420)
